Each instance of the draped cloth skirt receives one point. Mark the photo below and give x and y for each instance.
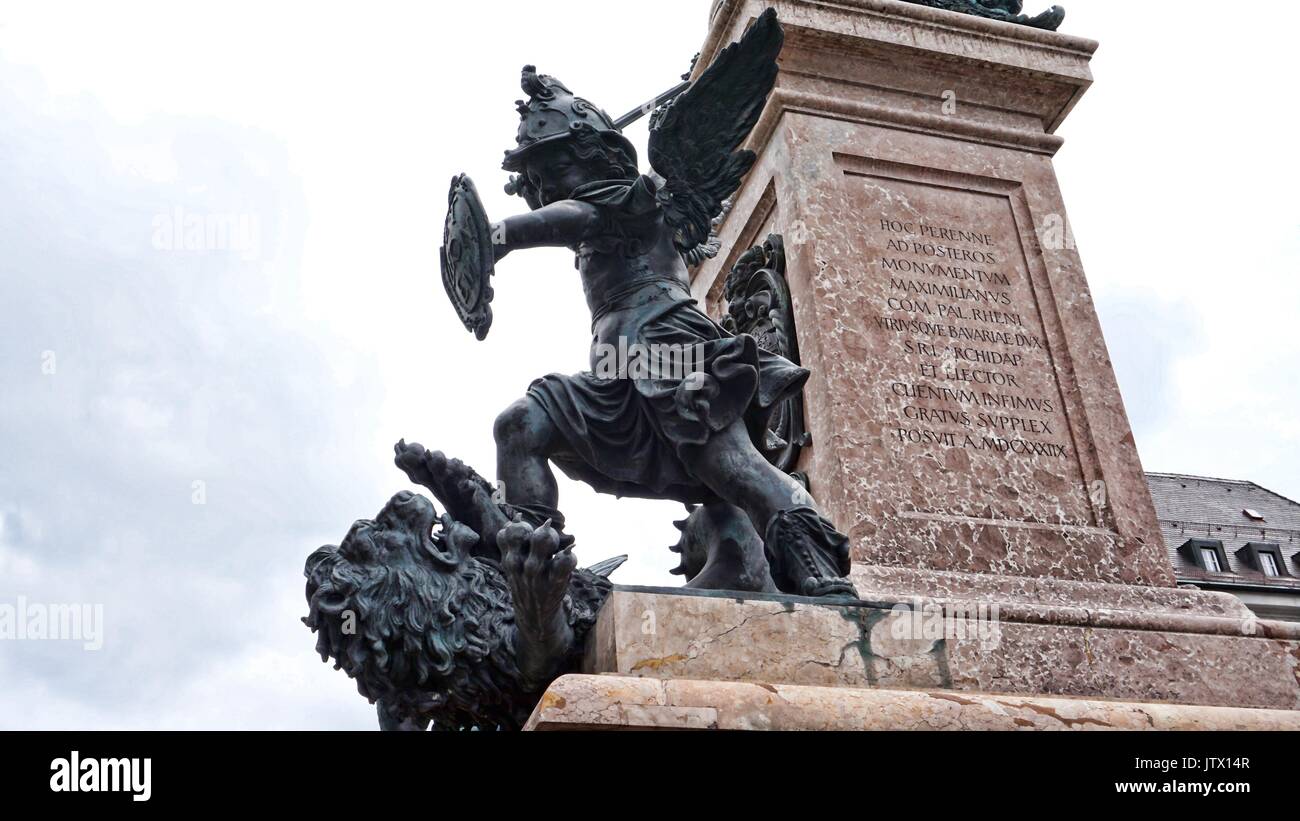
(632, 432)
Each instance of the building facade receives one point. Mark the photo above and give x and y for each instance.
(1232, 536)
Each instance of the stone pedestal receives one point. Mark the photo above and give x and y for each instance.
(967, 430)
(622, 703)
(963, 410)
(692, 660)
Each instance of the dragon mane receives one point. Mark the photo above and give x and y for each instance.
(429, 640)
(424, 627)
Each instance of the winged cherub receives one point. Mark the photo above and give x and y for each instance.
(656, 432)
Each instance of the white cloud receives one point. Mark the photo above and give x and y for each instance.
(1177, 172)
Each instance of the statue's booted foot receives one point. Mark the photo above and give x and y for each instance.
(465, 494)
(809, 557)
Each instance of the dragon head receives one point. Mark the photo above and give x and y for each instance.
(418, 622)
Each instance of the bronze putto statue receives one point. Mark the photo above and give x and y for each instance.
(461, 620)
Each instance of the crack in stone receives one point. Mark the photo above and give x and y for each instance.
(838, 664)
(1050, 712)
(743, 622)
(965, 702)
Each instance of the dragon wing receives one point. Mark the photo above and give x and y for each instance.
(694, 139)
(607, 567)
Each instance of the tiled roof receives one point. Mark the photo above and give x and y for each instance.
(1199, 507)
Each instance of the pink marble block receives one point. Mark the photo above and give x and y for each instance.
(964, 412)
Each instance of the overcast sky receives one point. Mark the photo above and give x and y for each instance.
(180, 427)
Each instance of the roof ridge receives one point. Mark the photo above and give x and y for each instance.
(1242, 482)
(1204, 478)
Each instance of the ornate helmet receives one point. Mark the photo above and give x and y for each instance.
(553, 113)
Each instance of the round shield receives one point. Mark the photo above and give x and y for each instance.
(467, 257)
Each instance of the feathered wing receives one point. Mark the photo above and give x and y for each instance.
(694, 140)
(605, 568)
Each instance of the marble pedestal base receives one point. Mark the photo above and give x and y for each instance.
(613, 702)
(1148, 652)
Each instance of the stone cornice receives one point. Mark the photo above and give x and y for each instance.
(1051, 68)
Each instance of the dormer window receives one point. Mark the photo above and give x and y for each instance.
(1207, 554)
(1265, 558)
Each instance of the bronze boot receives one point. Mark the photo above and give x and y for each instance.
(809, 557)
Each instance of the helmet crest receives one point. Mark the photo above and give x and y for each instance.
(552, 112)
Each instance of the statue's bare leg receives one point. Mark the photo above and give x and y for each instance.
(525, 438)
(807, 555)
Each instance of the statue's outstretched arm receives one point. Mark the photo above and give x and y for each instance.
(559, 224)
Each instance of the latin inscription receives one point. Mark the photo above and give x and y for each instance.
(978, 374)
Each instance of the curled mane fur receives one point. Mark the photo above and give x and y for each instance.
(431, 638)
(424, 627)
